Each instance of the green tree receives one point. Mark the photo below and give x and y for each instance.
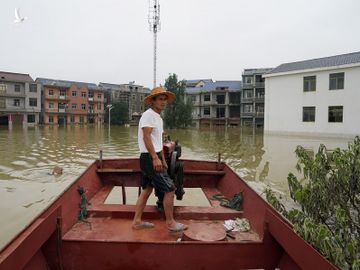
(179, 113)
(329, 197)
(119, 114)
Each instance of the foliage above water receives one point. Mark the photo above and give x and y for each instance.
(179, 113)
(119, 114)
(329, 197)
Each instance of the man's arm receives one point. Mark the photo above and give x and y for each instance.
(150, 147)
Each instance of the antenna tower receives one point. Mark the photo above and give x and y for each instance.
(154, 27)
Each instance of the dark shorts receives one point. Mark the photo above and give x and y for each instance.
(161, 181)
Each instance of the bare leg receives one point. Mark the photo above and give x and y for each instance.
(169, 208)
(140, 204)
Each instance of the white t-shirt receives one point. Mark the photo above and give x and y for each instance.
(152, 119)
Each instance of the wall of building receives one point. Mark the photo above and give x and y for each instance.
(285, 99)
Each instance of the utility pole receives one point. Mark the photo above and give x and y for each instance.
(154, 24)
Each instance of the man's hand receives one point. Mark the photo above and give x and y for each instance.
(157, 164)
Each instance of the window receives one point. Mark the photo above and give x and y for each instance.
(248, 108)
(51, 119)
(99, 96)
(16, 102)
(72, 119)
(206, 97)
(51, 105)
(220, 112)
(335, 114)
(91, 95)
(17, 87)
(33, 88)
(193, 99)
(74, 106)
(308, 114)
(99, 106)
(337, 81)
(207, 111)
(2, 103)
(133, 96)
(33, 102)
(31, 118)
(73, 93)
(62, 93)
(248, 80)
(248, 94)
(51, 92)
(83, 106)
(81, 119)
(3, 88)
(83, 94)
(309, 83)
(220, 99)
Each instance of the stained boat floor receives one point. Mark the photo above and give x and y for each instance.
(108, 229)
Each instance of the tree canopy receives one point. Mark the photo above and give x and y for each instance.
(179, 113)
(329, 197)
(119, 114)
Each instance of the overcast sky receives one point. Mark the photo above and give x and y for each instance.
(109, 40)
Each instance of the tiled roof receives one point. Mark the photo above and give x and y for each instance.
(253, 71)
(216, 86)
(194, 82)
(67, 84)
(331, 61)
(15, 77)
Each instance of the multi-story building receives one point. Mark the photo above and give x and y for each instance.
(20, 99)
(69, 102)
(132, 94)
(253, 97)
(214, 102)
(318, 96)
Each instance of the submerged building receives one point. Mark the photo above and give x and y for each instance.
(20, 99)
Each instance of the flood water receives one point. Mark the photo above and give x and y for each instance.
(28, 155)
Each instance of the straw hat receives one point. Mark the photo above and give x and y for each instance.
(159, 91)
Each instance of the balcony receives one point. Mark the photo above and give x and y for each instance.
(260, 99)
(15, 95)
(252, 114)
(63, 97)
(62, 110)
(91, 99)
(247, 100)
(253, 85)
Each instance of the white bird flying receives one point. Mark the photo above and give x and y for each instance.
(18, 18)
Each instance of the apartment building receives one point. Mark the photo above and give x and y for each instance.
(20, 99)
(253, 97)
(215, 103)
(317, 96)
(70, 102)
(131, 94)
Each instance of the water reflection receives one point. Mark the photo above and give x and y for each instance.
(27, 156)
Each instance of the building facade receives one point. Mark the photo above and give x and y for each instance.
(131, 94)
(253, 97)
(69, 102)
(318, 96)
(215, 103)
(20, 99)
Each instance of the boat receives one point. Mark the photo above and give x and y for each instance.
(79, 230)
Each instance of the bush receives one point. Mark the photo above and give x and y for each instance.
(329, 197)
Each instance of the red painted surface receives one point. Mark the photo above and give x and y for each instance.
(56, 239)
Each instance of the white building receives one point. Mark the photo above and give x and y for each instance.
(319, 96)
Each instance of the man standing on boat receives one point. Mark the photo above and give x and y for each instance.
(152, 161)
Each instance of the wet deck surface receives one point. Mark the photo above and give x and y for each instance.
(120, 230)
(113, 222)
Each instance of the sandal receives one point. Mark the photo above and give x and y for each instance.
(143, 225)
(178, 227)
